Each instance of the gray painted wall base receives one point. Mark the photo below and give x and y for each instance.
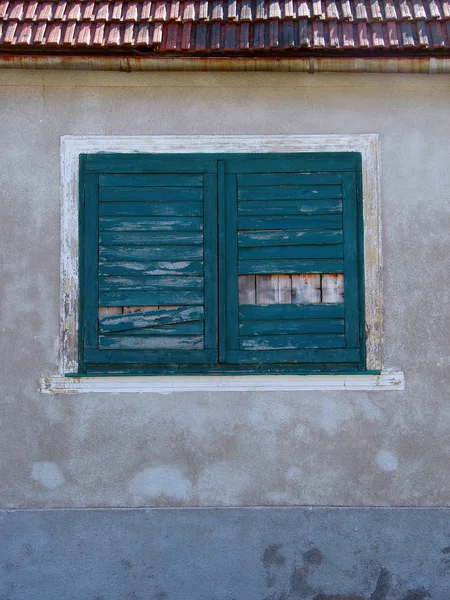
(225, 554)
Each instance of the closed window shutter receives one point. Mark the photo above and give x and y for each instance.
(291, 222)
(150, 261)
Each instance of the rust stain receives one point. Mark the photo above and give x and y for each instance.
(422, 65)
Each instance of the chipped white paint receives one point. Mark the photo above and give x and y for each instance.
(47, 474)
(386, 461)
(166, 384)
(73, 146)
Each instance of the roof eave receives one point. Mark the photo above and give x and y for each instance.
(306, 64)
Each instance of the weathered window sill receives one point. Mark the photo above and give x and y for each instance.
(165, 384)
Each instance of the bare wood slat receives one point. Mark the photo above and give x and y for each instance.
(306, 289)
(127, 310)
(109, 311)
(247, 289)
(284, 289)
(267, 289)
(332, 288)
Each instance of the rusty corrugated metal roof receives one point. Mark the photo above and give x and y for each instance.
(230, 27)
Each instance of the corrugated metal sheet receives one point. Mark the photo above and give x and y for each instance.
(233, 27)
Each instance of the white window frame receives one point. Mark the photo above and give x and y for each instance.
(74, 145)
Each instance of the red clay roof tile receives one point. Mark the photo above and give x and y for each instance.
(226, 26)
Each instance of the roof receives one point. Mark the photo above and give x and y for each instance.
(227, 27)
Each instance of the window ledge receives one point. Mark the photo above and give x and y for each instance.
(386, 380)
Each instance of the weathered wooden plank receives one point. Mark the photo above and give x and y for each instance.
(272, 252)
(306, 289)
(134, 342)
(295, 326)
(152, 356)
(142, 298)
(291, 164)
(151, 268)
(150, 194)
(292, 342)
(139, 309)
(151, 224)
(332, 288)
(133, 162)
(280, 265)
(151, 209)
(151, 180)
(248, 312)
(172, 316)
(284, 289)
(247, 289)
(289, 179)
(194, 328)
(151, 238)
(311, 355)
(288, 192)
(289, 238)
(152, 253)
(289, 207)
(151, 283)
(109, 311)
(291, 222)
(267, 289)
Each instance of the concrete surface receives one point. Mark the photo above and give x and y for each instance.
(225, 554)
(229, 449)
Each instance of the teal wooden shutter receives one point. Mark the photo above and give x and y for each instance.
(149, 253)
(290, 215)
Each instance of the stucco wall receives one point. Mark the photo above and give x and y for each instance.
(229, 449)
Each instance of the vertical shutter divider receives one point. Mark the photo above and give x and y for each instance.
(210, 261)
(90, 291)
(351, 270)
(232, 281)
(222, 242)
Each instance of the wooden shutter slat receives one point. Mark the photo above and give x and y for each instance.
(151, 224)
(130, 358)
(150, 253)
(150, 283)
(171, 268)
(280, 265)
(313, 355)
(154, 180)
(291, 252)
(271, 179)
(289, 207)
(289, 192)
(157, 194)
(291, 222)
(155, 209)
(153, 342)
(290, 312)
(179, 329)
(291, 342)
(289, 238)
(155, 318)
(298, 326)
(149, 297)
(151, 238)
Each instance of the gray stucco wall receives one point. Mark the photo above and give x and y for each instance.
(227, 449)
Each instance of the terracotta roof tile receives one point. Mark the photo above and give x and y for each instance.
(227, 26)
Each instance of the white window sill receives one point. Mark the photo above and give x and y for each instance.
(166, 384)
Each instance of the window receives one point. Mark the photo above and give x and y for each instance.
(224, 263)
